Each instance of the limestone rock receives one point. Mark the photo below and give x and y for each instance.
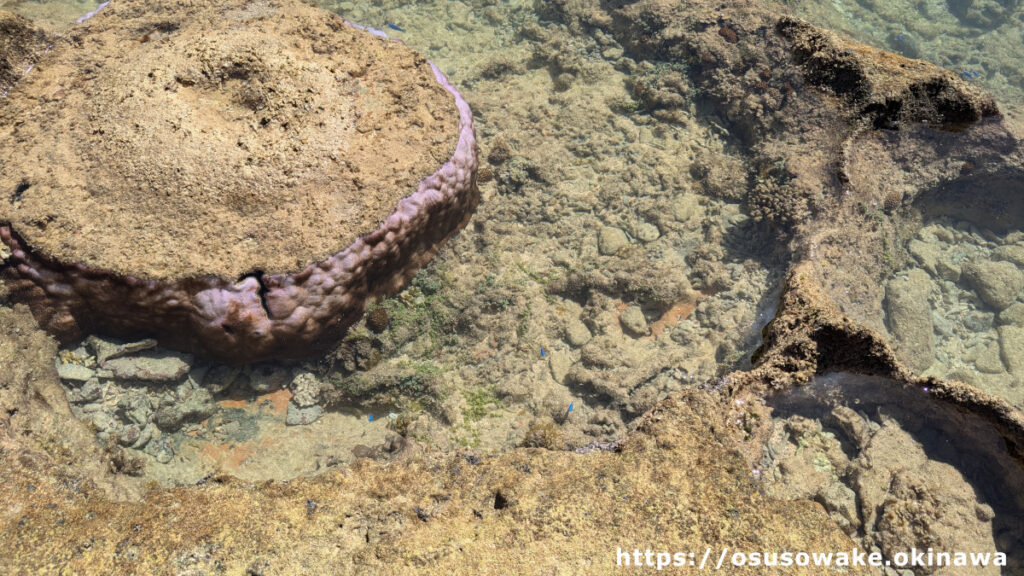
(633, 321)
(75, 372)
(1011, 342)
(576, 332)
(909, 317)
(997, 283)
(156, 367)
(299, 416)
(610, 240)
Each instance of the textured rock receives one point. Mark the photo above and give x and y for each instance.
(610, 240)
(195, 407)
(634, 322)
(246, 279)
(300, 416)
(997, 283)
(75, 372)
(1013, 314)
(909, 317)
(1011, 343)
(576, 332)
(305, 390)
(105, 349)
(157, 367)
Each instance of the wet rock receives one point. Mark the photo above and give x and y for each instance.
(946, 269)
(305, 390)
(647, 232)
(299, 416)
(610, 240)
(1010, 253)
(156, 367)
(1012, 315)
(634, 322)
(129, 435)
(909, 317)
(841, 503)
(979, 321)
(1011, 343)
(108, 349)
(75, 372)
(989, 360)
(576, 332)
(195, 407)
(559, 364)
(219, 378)
(268, 377)
(88, 392)
(997, 283)
(926, 254)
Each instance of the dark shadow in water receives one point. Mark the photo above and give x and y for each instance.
(947, 434)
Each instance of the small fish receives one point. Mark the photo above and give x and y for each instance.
(899, 37)
(543, 352)
(369, 418)
(570, 406)
(395, 27)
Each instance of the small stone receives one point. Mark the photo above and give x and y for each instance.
(685, 207)
(107, 349)
(926, 254)
(1011, 343)
(306, 390)
(610, 240)
(268, 377)
(299, 416)
(1012, 253)
(1012, 315)
(75, 372)
(634, 322)
(196, 407)
(909, 318)
(576, 332)
(997, 283)
(647, 232)
(946, 269)
(156, 367)
(559, 364)
(989, 361)
(979, 321)
(129, 435)
(88, 392)
(220, 378)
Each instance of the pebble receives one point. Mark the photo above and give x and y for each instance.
(997, 283)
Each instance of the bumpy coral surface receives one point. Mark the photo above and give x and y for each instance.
(236, 179)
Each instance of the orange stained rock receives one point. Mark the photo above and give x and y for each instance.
(676, 314)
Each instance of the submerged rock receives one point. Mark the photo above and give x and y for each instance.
(997, 283)
(909, 317)
(157, 367)
(300, 416)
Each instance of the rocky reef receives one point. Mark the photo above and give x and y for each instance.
(233, 198)
(830, 156)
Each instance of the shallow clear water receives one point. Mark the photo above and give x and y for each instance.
(595, 277)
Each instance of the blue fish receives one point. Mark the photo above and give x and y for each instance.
(370, 418)
(899, 37)
(570, 406)
(395, 27)
(543, 352)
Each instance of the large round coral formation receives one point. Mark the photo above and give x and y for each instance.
(234, 178)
